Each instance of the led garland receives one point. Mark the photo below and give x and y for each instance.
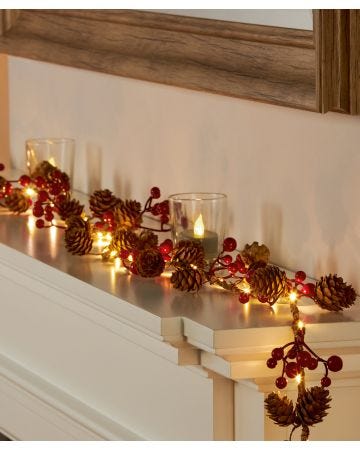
(116, 226)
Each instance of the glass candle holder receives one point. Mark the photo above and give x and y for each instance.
(199, 217)
(59, 152)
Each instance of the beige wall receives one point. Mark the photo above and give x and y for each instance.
(292, 177)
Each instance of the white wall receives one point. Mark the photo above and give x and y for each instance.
(292, 177)
(288, 18)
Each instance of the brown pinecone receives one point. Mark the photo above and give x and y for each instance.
(127, 214)
(269, 282)
(43, 170)
(149, 263)
(280, 410)
(102, 201)
(333, 294)
(255, 253)
(147, 239)
(312, 405)
(187, 279)
(124, 240)
(69, 207)
(78, 240)
(17, 202)
(188, 253)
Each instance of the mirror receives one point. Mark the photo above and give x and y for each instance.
(316, 70)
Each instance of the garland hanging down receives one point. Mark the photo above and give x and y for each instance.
(248, 274)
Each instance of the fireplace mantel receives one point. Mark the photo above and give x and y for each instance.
(88, 352)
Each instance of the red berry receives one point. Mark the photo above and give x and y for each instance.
(38, 212)
(164, 219)
(155, 210)
(300, 276)
(164, 207)
(133, 268)
(24, 180)
(124, 254)
(244, 297)
(292, 369)
(2, 167)
(40, 223)
(49, 217)
(309, 289)
(325, 381)
(56, 174)
(227, 259)
(291, 354)
(249, 274)
(48, 209)
(42, 196)
(263, 299)
(166, 247)
(271, 363)
(304, 358)
(229, 244)
(40, 182)
(166, 258)
(232, 268)
(155, 192)
(334, 363)
(37, 205)
(312, 364)
(55, 189)
(108, 216)
(8, 188)
(281, 382)
(99, 226)
(277, 353)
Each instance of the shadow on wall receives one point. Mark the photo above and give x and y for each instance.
(93, 166)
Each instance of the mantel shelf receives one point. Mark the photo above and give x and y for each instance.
(233, 339)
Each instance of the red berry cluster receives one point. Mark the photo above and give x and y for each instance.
(303, 289)
(295, 359)
(166, 248)
(107, 222)
(50, 193)
(158, 209)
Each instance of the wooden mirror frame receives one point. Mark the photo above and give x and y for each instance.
(313, 70)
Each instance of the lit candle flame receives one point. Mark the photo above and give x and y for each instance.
(52, 161)
(199, 227)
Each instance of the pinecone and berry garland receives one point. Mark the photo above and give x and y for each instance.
(333, 294)
(17, 202)
(124, 239)
(102, 201)
(78, 239)
(44, 170)
(312, 405)
(187, 279)
(280, 409)
(188, 253)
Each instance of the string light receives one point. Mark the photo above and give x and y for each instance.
(29, 192)
(293, 296)
(300, 324)
(298, 378)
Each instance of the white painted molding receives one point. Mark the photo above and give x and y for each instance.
(26, 397)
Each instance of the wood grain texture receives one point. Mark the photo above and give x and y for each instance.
(8, 18)
(254, 62)
(337, 35)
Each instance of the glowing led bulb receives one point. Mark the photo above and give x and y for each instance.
(293, 296)
(30, 192)
(300, 324)
(298, 378)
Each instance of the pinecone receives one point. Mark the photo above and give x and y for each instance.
(102, 201)
(69, 207)
(255, 253)
(17, 202)
(312, 405)
(127, 214)
(333, 294)
(188, 253)
(78, 240)
(124, 240)
(280, 410)
(187, 279)
(147, 239)
(149, 263)
(269, 282)
(44, 170)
